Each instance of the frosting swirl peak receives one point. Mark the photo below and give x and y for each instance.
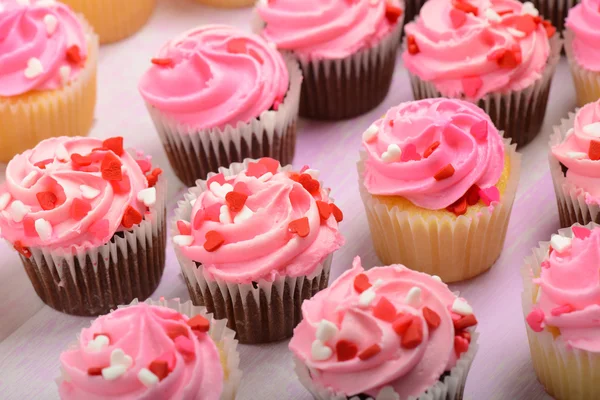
(584, 21)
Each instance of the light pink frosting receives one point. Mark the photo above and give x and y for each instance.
(24, 180)
(330, 29)
(583, 172)
(584, 22)
(219, 76)
(24, 36)
(262, 246)
(476, 161)
(448, 54)
(409, 371)
(142, 333)
(570, 278)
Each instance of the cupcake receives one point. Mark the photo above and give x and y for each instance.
(347, 50)
(438, 183)
(574, 155)
(154, 350)
(114, 20)
(385, 333)
(561, 307)
(48, 58)
(88, 223)
(254, 241)
(227, 3)
(554, 10)
(498, 54)
(217, 96)
(582, 46)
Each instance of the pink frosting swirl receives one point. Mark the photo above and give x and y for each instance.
(258, 242)
(79, 207)
(584, 21)
(466, 138)
(215, 76)
(37, 46)
(464, 53)
(410, 370)
(330, 29)
(574, 152)
(569, 292)
(146, 334)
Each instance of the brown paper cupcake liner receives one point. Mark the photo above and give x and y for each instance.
(587, 83)
(195, 153)
(94, 281)
(554, 10)
(413, 7)
(519, 114)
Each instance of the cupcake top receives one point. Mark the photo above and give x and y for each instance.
(584, 21)
(474, 47)
(74, 193)
(579, 153)
(214, 76)
(260, 224)
(434, 152)
(143, 352)
(328, 29)
(568, 297)
(388, 326)
(43, 46)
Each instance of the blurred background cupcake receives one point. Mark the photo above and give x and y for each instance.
(88, 223)
(561, 307)
(48, 59)
(438, 183)
(227, 3)
(385, 333)
(218, 95)
(582, 45)
(154, 350)
(554, 10)
(500, 55)
(114, 20)
(253, 242)
(347, 50)
(575, 166)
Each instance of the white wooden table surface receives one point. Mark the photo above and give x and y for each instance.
(33, 335)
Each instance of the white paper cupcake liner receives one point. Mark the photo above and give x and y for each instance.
(519, 114)
(565, 372)
(194, 153)
(93, 281)
(262, 311)
(455, 249)
(587, 83)
(450, 388)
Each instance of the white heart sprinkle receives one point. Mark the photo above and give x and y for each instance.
(436, 278)
(113, 372)
(193, 202)
(461, 307)
(99, 343)
(592, 129)
(492, 15)
(220, 190)
(387, 393)
(89, 192)
(18, 210)
(320, 352)
(30, 179)
(392, 154)
(34, 68)
(183, 240)
(366, 298)
(314, 173)
(147, 196)
(4, 200)
(326, 330)
(378, 283)
(43, 228)
(515, 32)
(370, 134)
(576, 155)
(560, 243)
(118, 357)
(225, 215)
(147, 377)
(61, 153)
(265, 177)
(413, 297)
(23, 2)
(65, 74)
(243, 215)
(529, 8)
(51, 22)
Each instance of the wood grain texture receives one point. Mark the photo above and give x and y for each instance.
(32, 335)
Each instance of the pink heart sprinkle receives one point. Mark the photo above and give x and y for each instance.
(185, 346)
(241, 187)
(535, 319)
(184, 227)
(545, 264)
(580, 232)
(409, 153)
(471, 85)
(304, 168)
(100, 229)
(219, 178)
(567, 308)
(489, 195)
(145, 165)
(237, 45)
(479, 130)
(457, 17)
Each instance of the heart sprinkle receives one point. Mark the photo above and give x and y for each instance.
(131, 217)
(214, 240)
(300, 226)
(162, 62)
(444, 173)
(369, 352)
(361, 283)
(384, 310)
(47, 200)
(345, 350)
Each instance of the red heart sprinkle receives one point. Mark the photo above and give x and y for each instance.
(184, 228)
(458, 17)
(431, 317)
(431, 149)
(564, 309)
(121, 187)
(311, 185)
(337, 213)
(594, 150)
(392, 12)
(324, 210)
(460, 345)
(580, 232)
(219, 178)
(369, 352)
(413, 49)
(241, 187)
(176, 330)
(162, 62)
(479, 130)
(410, 39)
(214, 240)
(145, 165)
(95, 371)
(471, 85)
(29, 227)
(444, 173)
(413, 335)
(199, 323)
(385, 310)
(256, 170)
(160, 368)
(525, 24)
(345, 350)
(18, 246)
(79, 209)
(169, 358)
(42, 164)
(111, 167)
(74, 54)
(409, 153)
(237, 45)
(236, 201)
(401, 324)
(81, 161)
(271, 164)
(47, 200)
(115, 144)
(361, 283)
(465, 6)
(131, 217)
(472, 195)
(300, 226)
(100, 229)
(459, 207)
(152, 178)
(465, 322)
(509, 59)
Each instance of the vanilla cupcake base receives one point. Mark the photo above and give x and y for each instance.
(565, 372)
(587, 83)
(28, 119)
